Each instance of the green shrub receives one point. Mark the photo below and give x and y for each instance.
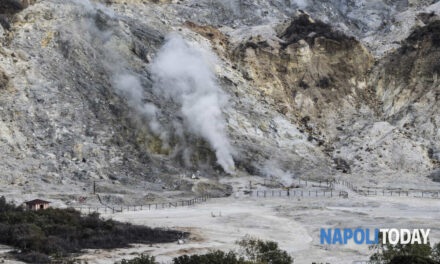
(143, 259)
(253, 251)
(263, 252)
(412, 260)
(59, 232)
(216, 257)
(410, 253)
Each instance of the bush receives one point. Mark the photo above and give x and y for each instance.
(410, 253)
(412, 260)
(143, 259)
(59, 232)
(216, 257)
(253, 251)
(264, 252)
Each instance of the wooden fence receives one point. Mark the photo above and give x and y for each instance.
(384, 192)
(331, 192)
(298, 193)
(146, 207)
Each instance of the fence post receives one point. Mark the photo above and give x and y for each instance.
(331, 193)
(264, 193)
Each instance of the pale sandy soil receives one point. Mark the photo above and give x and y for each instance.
(292, 222)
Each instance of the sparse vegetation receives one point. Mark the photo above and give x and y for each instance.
(44, 235)
(252, 251)
(263, 252)
(405, 254)
(143, 259)
(216, 257)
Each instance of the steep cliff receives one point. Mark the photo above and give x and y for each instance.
(140, 95)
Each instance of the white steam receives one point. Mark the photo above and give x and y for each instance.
(183, 73)
(272, 170)
(233, 5)
(129, 86)
(302, 4)
(110, 53)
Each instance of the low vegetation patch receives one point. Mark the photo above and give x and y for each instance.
(47, 235)
(252, 251)
(405, 254)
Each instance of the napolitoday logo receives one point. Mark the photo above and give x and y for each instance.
(367, 236)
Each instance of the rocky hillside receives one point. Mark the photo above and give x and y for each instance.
(140, 95)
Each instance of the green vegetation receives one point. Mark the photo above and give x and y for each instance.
(252, 251)
(143, 259)
(47, 235)
(262, 252)
(215, 257)
(405, 254)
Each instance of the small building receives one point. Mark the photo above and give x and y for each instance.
(37, 204)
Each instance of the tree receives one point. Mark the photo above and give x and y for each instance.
(263, 252)
(402, 254)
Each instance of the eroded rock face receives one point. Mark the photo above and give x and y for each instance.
(10, 7)
(4, 80)
(304, 97)
(407, 83)
(311, 71)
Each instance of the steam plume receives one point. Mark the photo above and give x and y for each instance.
(273, 170)
(103, 42)
(182, 73)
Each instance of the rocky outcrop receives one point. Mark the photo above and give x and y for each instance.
(4, 80)
(408, 83)
(314, 72)
(305, 96)
(9, 7)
